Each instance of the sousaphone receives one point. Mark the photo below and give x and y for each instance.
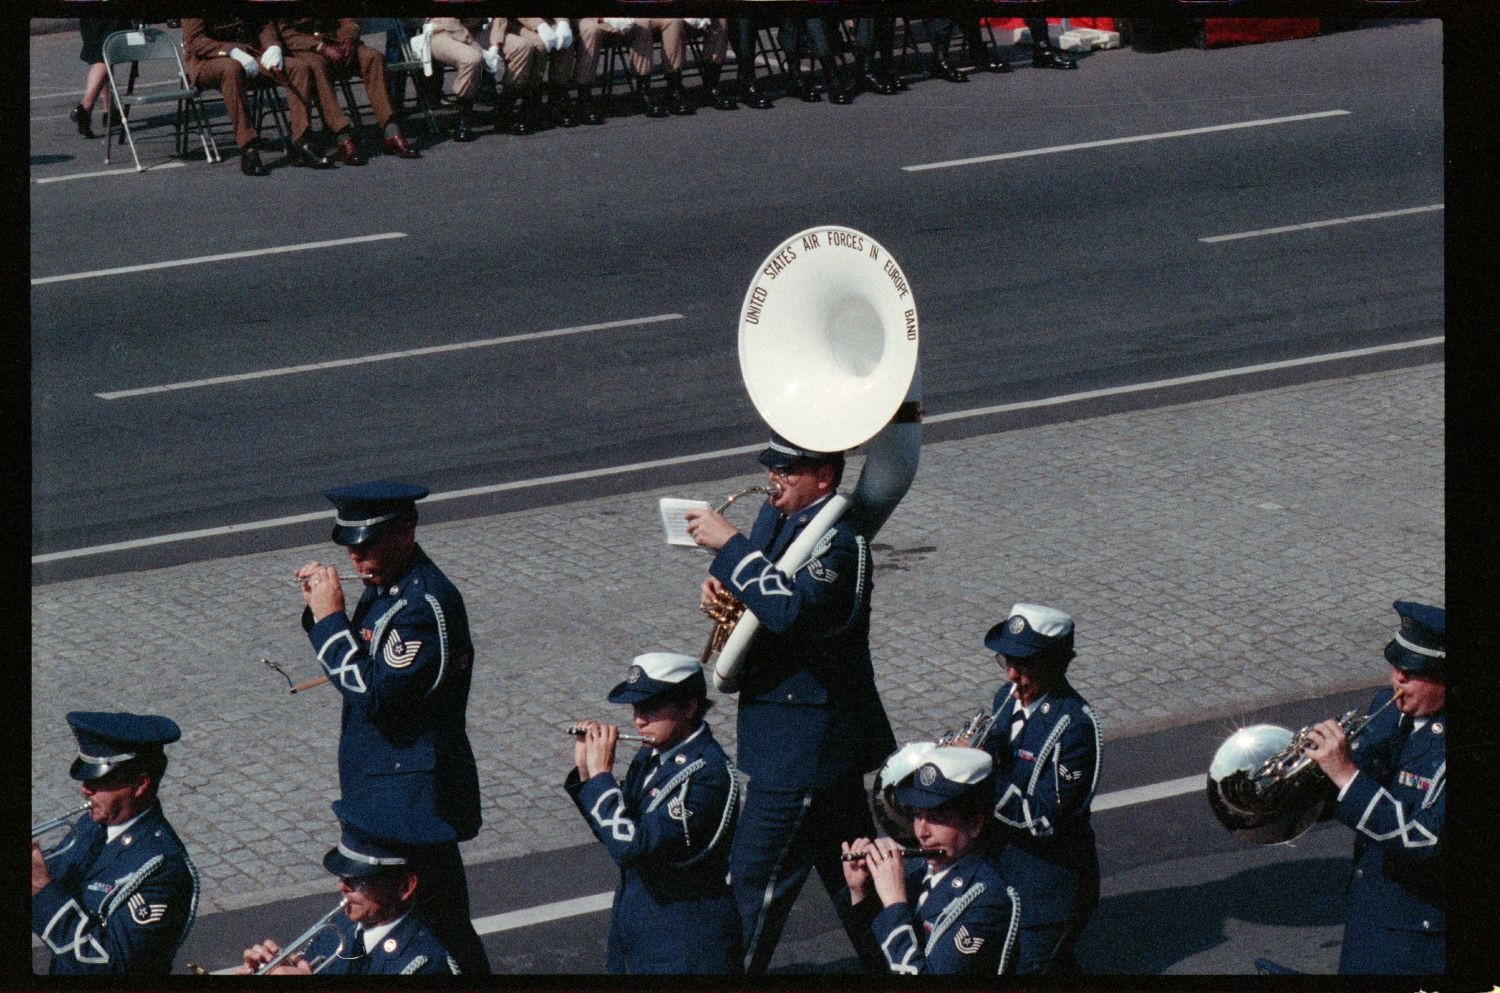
(828, 341)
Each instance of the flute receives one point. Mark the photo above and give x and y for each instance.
(356, 578)
(578, 732)
(906, 853)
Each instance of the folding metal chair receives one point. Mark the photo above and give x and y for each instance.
(153, 45)
(411, 67)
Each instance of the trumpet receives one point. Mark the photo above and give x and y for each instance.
(66, 820)
(579, 732)
(303, 941)
(906, 853)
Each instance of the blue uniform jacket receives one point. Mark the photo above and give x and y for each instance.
(966, 926)
(809, 713)
(409, 949)
(1044, 784)
(122, 907)
(669, 828)
(402, 662)
(1396, 806)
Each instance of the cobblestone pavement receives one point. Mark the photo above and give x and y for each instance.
(1217, 556)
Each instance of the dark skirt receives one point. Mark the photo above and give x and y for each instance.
(94, 31)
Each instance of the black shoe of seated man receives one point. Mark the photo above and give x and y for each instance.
(514, 121)
(1047, 57)
(250, 163)
(650, 106)
(944, 69)
(302, 153)
(754, 97)
(993, 63)
(802, 89)
(564, 113)
(80, 117)
(677, 101)
(587, 112)
(837, 95)
(462, 131)
(719, 98)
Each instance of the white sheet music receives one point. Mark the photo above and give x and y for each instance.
(673, 519)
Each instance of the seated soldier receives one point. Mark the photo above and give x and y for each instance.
(634, 34)
(945, 910)
(382, 930)
(224, 53)
(331, 45)
(554, 51)
(669, 827)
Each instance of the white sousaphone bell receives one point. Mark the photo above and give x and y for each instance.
(828, 350)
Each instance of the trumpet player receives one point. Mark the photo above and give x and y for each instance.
(1046, 746)
(119, 893)
(382, 930)
(810, 723)
(668, 826)
(1392, 793)
(950, 913)
(402, 661)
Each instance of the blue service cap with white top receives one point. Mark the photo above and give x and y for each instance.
(109, 739)
(1030, 630)
(364, 508)
(781, 453)
(946, 773)
(655, 673)
(1421, 646)
(381, 832)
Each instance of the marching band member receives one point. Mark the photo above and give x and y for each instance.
(402, 664)
(811, 723)
(1392, 793)
(1046, 746)
(950, 913)
(668, 827)
(119, 893)
(383, 930)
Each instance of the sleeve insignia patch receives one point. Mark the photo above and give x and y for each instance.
(144, 913)
(676, 809)
(1068, 775)
(966, 943)
(817, 570)
(399, 654)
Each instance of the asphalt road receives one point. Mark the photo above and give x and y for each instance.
(1035, 276)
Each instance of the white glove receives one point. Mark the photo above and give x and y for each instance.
(421, 47)
(251, 66)
(564, 35)
(620, 23)
(549, 37)
(697, 23)
(270, 59)
(492, 59)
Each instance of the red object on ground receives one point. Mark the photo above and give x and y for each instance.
(1221, 32)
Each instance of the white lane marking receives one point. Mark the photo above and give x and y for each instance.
(1186, 132)
(222, 257)
(1145, 794)
(1309, 225)
(569, 477)
(520, 484)
(127, 171)
(1201, 377)
(384, 356)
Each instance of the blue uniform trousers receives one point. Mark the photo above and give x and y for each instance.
(782, 836)
(443, 896)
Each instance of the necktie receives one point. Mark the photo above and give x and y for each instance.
(359, 961)
(1017, 723)
(926, 890)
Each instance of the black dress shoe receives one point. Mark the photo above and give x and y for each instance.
(753, 97)
(650, 106)
(803, 90)
(719, 98)
(80, 117)
(587, 112)
(993, 64)
(302, 153)
(677, 101)
(462, 131)
(944, 69)
(1047, 57)
(250, 163)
